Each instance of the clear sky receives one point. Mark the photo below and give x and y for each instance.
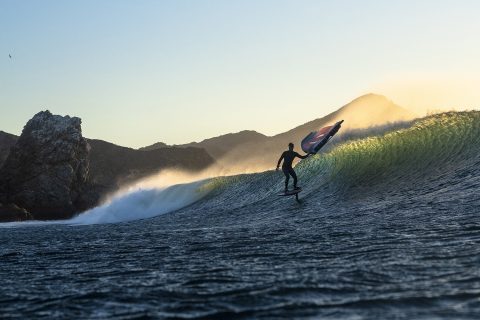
(138, 72)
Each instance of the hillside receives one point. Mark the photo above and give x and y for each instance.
(217, 147)
(112, 165)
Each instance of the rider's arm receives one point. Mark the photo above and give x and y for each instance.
(302, 157)
(280, 160)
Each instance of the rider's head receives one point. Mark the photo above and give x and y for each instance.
(290, 146)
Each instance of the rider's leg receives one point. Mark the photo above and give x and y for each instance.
(287, 177)
(294, 175)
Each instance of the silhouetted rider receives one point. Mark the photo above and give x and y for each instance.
(287, 157)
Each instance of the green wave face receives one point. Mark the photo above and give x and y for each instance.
(432, 144)
(431, 147)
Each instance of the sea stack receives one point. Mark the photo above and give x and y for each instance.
(46, 171)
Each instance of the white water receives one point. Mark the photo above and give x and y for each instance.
(142, 204)
(134, 205)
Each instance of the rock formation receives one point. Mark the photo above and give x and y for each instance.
(7, 141)
(46, 170)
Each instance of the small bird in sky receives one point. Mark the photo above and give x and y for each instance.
(10, 56)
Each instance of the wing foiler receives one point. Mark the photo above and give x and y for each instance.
(315, 140)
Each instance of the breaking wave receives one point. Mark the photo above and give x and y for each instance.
(142, 204)
(440, 151)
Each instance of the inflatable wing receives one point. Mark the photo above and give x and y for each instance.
(317, 139)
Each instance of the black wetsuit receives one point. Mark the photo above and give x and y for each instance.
(288, 157)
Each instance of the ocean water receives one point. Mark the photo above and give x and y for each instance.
(388, 227)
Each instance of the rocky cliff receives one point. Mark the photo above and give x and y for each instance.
(7, 141)
(46, 170)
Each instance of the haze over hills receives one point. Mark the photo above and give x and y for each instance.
(366, 111)
(249, 151)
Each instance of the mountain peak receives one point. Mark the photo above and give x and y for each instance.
(372, 109)
(156, 145)
(371, 98)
